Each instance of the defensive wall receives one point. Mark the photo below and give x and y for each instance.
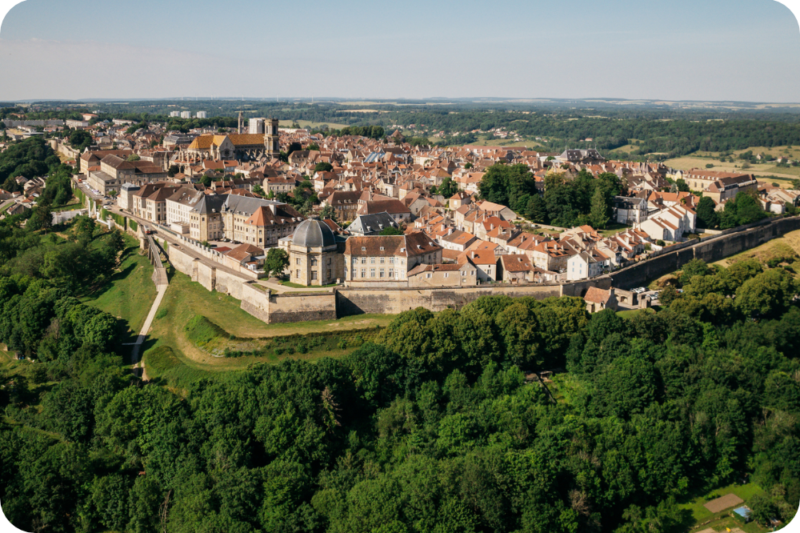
(298, 307)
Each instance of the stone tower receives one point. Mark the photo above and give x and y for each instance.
(271, 137)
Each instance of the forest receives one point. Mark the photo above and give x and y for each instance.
(433, 427)
(660, 132)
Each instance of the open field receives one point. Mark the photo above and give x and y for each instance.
(311, 125)
(701, 159)
(704, 519)
(131, 292)
(188, 358)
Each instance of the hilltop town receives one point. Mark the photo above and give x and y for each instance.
(365, 209)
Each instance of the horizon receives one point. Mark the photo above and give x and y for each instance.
(680, 51)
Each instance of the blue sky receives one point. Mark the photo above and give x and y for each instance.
(655, 49)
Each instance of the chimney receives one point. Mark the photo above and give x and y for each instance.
(473, 254)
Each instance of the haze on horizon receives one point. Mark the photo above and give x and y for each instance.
(739, 50)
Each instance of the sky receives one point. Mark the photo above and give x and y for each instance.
(743, 50)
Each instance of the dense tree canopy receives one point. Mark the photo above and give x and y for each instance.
(437, 426)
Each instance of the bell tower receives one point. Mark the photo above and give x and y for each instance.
(271, 137)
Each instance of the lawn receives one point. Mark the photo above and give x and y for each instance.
(701, 514)
(74, 203)
(633, 312)
(130, 292)
(298, 286)
(614, 228)
(703, 518)
(185, 299)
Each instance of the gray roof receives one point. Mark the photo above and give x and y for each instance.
(209, 204)
(313, 234)
(371, 224)
(245, 204)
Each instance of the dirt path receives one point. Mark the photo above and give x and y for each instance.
(135, 356)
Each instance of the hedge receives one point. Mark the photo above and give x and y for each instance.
(133, 225)
(119, 219)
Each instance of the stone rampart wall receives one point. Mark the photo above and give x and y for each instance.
(393, 301)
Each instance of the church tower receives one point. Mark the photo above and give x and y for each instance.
(271, 137)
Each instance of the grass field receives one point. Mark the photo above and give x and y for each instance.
(701, 159)
(311, 125)
(186, 360)
(633, 312)
(703, 518)
(130, 293)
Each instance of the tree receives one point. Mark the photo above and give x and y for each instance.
(328, 212)
(667, 295)
(322, 167)
(276, 262)
(536, 210)
(769, 294)
(173, 169)
(468, 166)
(313, 146)
(391, 231)
(707, 216)
(448, 188)
(599, 213)
(695, 267)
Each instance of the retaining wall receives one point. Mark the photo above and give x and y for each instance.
(392, 301)
(290, 307)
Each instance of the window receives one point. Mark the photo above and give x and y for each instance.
(313, 261)
(330, 276)
(313, 275)
(363, 260)
(372, 260)
(428, 275)
(391, 273)
(381, 273)
(382, 260)
(298, 275)
(372, 272)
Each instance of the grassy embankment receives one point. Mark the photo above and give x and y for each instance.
(194, 328)
(786, 247)
(130, 292)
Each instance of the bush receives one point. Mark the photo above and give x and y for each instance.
(161, 313)
(133, 225)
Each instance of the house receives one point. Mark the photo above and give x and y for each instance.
(484, 260)
(514, 268)
(345, 204)
(670, 224)
(443, 275)
(629, 210)
(245, 256)
(584, 265)
(395, 208)
(376, 259)
(179, 208)
(598, 299)
(552, 256)
(371, 224)
(726, 188)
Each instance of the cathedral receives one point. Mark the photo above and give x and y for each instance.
(239, 146)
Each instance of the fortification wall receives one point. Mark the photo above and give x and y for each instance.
(393, 301)
(709, 250)
(228, 283)
(302, 307)
(255, 301)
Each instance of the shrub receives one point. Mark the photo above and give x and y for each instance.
(161, 313)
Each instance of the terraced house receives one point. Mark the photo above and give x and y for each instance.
(376, 259)
(256, 221)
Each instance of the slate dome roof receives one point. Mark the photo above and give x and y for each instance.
(313, 234)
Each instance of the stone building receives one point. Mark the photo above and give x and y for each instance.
(205, 219)
(256, 221)
(389, 258)
(314, 257)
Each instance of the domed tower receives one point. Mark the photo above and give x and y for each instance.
(313, 255)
